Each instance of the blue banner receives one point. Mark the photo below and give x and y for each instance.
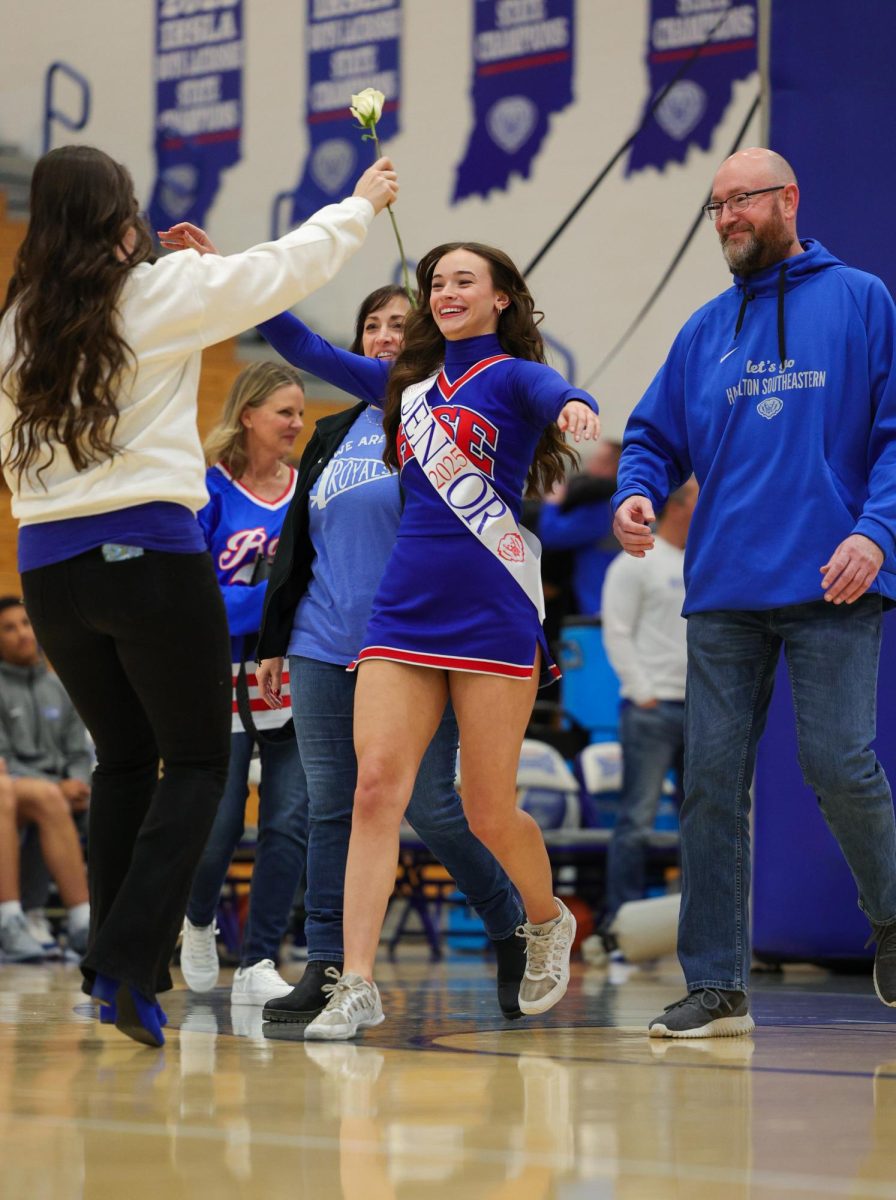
(703, 46)
(523, 61)
(346, 53)
(199, 105)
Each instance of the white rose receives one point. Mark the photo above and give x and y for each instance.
(367, 106)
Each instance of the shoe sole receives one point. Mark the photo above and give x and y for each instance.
(531, 1008)
(720, 1027)
(889, 1003)
(128, 1022)
(342, 1033)
(285, 1017)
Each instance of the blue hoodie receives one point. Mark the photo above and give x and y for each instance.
(780, 396)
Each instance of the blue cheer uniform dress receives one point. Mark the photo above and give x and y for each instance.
(445, 600)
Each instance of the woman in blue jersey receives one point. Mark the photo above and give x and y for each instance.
(458, 612)
(336, 541)
(250, 484)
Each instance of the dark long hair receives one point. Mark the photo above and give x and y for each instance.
(377, 299)
(70, 353)
(424, 351)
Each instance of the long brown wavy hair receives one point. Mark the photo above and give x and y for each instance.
(68, 275)
(424, 350)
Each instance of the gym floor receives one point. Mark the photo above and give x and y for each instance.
(448, 1100)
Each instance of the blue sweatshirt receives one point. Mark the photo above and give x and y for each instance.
(780, 396)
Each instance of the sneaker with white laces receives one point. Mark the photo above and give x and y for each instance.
(258, 984)
(17, 944)
(199, 956)
(548, 947)
(354, 1004)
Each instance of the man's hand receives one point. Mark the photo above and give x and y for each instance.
(579, 420)
(631, 525)
(378, 184)
(186, 236)
(851, 569)
(76, 792)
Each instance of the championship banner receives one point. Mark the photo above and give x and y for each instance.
(199, 105)
(704, 46)
(351, 45)
(523, 61)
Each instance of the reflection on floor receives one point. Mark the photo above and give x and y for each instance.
(448, 1100)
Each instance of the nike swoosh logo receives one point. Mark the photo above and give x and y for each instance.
(728, 355)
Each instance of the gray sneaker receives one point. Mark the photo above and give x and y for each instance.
(354, 1004)
(885, 962)
(707, 1013)
(16, 942)
(547, 962)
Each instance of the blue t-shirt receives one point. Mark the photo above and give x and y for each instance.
(353, 510)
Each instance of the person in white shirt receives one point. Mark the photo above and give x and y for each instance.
(645, 637)
(99, 367)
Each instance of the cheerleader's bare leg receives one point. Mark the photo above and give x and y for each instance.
(397, 711)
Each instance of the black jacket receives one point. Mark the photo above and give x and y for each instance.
(291, 568)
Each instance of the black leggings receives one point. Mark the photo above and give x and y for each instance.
(142, 647)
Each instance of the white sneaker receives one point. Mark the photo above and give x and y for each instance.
(548, 948)
(40, 930)
(199, 956)
(354, 1004)
(258, 984)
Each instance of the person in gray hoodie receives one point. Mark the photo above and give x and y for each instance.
(48, 763)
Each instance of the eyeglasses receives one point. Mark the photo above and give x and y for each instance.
(737, 203)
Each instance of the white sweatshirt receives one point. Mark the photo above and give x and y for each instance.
(645, 635)
(169, 312)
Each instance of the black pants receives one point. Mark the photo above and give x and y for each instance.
(142, 648)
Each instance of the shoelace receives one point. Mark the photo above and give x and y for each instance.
(202, 947)
(544, 953)
(341, 999)
(885, 936)
(716, 1000)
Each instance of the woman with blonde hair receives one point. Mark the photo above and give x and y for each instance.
(250, 485)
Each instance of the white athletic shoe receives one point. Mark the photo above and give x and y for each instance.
(199, 956)
(548, 948)
(354, 1004)
(258, 984)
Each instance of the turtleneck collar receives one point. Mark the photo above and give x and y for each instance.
(471, 350)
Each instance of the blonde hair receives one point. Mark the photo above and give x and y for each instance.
(227, 441)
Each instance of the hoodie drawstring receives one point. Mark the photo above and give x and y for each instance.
(782, 343)
(748, 296)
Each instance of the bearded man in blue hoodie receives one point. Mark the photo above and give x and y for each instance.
(780, 396)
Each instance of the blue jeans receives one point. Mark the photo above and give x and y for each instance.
(281, 849)
(652, 742)
(832, 654)
(323, 698)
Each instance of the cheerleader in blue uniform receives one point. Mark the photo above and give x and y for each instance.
(473, 417)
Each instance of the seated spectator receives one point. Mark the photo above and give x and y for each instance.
(645, 637)
(577, 517)
(47, 766)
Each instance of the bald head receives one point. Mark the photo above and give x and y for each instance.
(762, 232)
(762, 164)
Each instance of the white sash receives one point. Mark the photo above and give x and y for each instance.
(469, 494)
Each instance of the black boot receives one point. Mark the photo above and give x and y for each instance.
(307, 998)
(510, 953)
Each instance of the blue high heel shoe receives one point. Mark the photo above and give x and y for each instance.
(133, 1014)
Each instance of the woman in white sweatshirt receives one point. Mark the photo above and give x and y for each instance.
(99, 366)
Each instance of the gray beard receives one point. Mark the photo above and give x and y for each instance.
(753, 255)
